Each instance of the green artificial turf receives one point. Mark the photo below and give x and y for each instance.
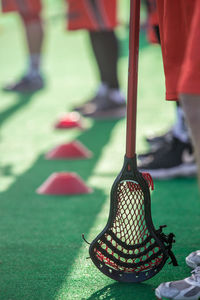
(42, 254)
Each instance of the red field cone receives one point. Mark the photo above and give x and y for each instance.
(73, 150)
(69, 121)
(63, 184)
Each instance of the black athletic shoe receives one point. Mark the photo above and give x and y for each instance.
(26, 85)
(81, 107)
(172, 159)
(105, 108)
(159, 139)
(105, 105)
(111, 110)
(101, 92)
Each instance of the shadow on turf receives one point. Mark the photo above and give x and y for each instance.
(171, 205)
(21, 100)
(94, 139)
(40, 236)
(128, 291)
(6, 170)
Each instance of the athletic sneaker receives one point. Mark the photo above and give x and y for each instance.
(172, 159)
(160, 139)
(188, 288)
(81, 107)
(26, 85)
(157, 142)
(101, 92)
(105, 108)
(193, 260)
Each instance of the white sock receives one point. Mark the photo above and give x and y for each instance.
(116, 95)
(102, 90)
(180, 129)
(34, 69)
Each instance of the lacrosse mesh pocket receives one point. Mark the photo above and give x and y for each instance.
(129, 248)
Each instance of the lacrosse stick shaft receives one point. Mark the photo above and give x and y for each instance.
(132, 78)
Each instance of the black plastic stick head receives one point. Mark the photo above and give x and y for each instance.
(129, 249)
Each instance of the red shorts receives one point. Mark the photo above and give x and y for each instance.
(22, 6)
(92, 14)
(82, 14)
(152, 12)
(180, 40)
(152, 21)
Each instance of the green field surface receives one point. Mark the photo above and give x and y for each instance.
(42, 254)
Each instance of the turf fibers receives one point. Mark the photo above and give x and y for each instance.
(42, 254)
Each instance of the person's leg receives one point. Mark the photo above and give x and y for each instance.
(34, 35)
(166, 157)
(189, 94)
(99, 19)
(106, 51)
(191, 106)
(179, 129)
(111, 103)
(189, 83)
(105, 48)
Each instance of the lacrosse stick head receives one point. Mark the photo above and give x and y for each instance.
(129, 249)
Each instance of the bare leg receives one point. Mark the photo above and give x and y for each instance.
(106, 50)
(32, 80)
(34, 35)
(34, 38)
(191, 106)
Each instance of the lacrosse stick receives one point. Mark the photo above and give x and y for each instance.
(130, 249)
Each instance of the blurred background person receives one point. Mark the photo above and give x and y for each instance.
(100, 20)
(30, 13)
(171, 153)
(180, 34)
